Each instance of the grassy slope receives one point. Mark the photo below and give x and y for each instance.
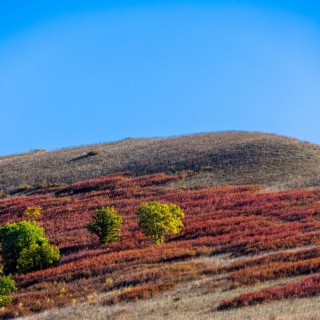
(235, 240)
(229, 221)
(218, 158)
(190, 301)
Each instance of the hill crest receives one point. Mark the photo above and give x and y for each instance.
(233, 157)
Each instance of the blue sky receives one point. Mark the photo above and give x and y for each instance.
(80, 72)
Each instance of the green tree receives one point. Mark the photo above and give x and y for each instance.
(7, 286)
(38, 257)
(15, 237)
(106, 224)
(159, 220)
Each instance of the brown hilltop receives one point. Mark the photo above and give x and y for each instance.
(217, 158)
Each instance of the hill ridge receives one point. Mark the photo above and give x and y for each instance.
(231, 157)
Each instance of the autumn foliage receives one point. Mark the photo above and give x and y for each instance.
(158, 220)
(306, 288)
(257, 228)
(32, 213)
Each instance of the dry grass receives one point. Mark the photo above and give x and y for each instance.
(193, 300)
(216, 158)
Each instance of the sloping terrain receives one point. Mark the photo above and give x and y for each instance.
(239, 247)
(215, 158)
(190, 301)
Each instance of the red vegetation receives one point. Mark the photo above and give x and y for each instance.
(272, 271)
(306, 288)
(234, 219)
(146, 291)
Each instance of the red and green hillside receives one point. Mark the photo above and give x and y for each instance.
(251, 246)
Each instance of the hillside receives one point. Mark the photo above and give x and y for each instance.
(215, 158)
(239, 247)
(244, 242)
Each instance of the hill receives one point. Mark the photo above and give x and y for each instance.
(215, 158)
(239, 247)
(243, 243)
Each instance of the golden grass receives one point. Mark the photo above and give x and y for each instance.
(188, 302)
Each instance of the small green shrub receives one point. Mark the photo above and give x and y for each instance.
(7, 286)
(38, 257)
(106, 224)
(159, 220)
(15, 237)
(5, 301)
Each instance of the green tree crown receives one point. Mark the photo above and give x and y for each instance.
(106, 224)
(15, 237)
(38, 257)
(158, 220)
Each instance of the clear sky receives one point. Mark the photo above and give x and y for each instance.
(80, 72)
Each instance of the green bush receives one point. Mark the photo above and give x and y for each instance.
(15, 237)
(106, 224)
(159, 220)
(37, 257)
(7, 286)
(25, 247)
